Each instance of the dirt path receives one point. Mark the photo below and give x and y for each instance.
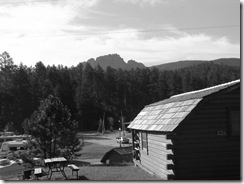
(96, 145)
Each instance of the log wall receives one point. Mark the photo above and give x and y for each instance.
(203, 146)
(155, 158)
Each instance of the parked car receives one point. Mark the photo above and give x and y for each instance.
(123, 140)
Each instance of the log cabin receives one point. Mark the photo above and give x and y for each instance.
(191, 136)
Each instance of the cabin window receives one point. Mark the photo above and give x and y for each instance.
(144, 141)
(235, 122)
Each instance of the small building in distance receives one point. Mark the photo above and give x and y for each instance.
(117, 156)
(191, 136)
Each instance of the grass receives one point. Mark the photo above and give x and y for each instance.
(95, 146)
(107, 173)
(127, 172)
(93, 151)
(116, 173)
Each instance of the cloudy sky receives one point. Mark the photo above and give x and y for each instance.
(149, 31)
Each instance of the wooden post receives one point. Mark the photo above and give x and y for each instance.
(122, 124)
(120, 137)
(133, 144)
(103, 127)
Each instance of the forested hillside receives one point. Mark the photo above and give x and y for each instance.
(188, 63)
(90, 92)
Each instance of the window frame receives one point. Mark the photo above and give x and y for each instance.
(144, 141)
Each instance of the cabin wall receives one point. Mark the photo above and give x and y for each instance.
(202, 145)
(154, 158)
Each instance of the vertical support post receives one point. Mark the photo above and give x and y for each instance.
(133, 134)
(120, 137)
(103, 127)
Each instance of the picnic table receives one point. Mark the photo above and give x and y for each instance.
(55, 165)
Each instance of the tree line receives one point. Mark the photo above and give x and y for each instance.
(93, 93)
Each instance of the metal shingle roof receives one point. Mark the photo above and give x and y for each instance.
(166, 115)
(184, 97)
(166, 119)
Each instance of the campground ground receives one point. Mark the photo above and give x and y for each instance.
(95, 146)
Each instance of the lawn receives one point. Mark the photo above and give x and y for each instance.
(107, 173)
(99, 173)
(95, 146)
(116, 173)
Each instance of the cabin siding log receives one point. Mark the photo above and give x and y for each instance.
(160, 153)
(155, 158)
(227, 101)
(202, 153)
(159, 159)
(154, 162)
(156, 168)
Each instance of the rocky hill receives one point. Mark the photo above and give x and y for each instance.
(116, 62)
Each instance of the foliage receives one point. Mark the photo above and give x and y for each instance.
(90, 93)
(52, 128)
(27, 159)
(9, 127)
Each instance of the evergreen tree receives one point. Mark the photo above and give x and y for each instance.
(22, 104)
(52, 128)
(90, 92)
(86, 100)
(111, 91)
(154, 86)
(7, 70)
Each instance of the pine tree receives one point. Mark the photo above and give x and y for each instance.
(7, 70)
(53, 130)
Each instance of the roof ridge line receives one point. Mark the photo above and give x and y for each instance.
(206, 89)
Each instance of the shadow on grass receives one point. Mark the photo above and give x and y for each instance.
(83, 178)
(80, 178)
(113, 165)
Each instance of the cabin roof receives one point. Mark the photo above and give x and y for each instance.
(167, 114)
(123, 151)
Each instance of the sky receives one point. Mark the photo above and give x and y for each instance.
(153, 32)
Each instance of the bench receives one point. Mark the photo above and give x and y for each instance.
(74, 168)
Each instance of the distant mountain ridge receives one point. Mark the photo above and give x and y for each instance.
(116, 62)
(188, 63)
